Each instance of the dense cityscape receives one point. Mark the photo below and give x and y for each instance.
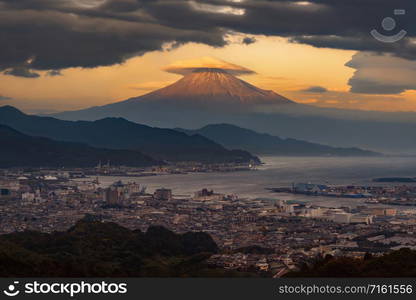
(260, 235)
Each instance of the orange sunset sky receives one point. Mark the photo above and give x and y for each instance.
(287, 68)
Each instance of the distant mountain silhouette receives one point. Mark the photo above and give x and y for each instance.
(118, 133)
(212, 96)
(20, 150)
(232, 136)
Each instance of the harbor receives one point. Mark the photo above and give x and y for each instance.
(389, 195)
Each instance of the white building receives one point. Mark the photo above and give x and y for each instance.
(341, 217)
(361, 219)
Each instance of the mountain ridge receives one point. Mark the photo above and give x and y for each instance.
(232, 136)
(118, 133)
(20, 150)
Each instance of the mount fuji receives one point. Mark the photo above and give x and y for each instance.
(213, 94)
(209, 90)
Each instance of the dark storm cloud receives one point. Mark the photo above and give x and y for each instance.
(21, 72)
(83, 37)
(249, 40)
(315, 90)
(53, 73)
(59, 34)
(123, 5)
(340, 24)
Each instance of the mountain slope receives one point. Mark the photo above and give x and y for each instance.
(207, 89)
(118, 133)
(95, 249)
(232, 136)
(213, 87)
(20, 150)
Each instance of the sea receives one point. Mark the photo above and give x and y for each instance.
(283, 172)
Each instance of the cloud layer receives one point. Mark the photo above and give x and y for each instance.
(50, 35)
(4, 98)
(189, 66)
(381, 74)
(315, 90)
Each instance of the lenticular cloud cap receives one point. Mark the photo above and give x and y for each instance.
(186, 67)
